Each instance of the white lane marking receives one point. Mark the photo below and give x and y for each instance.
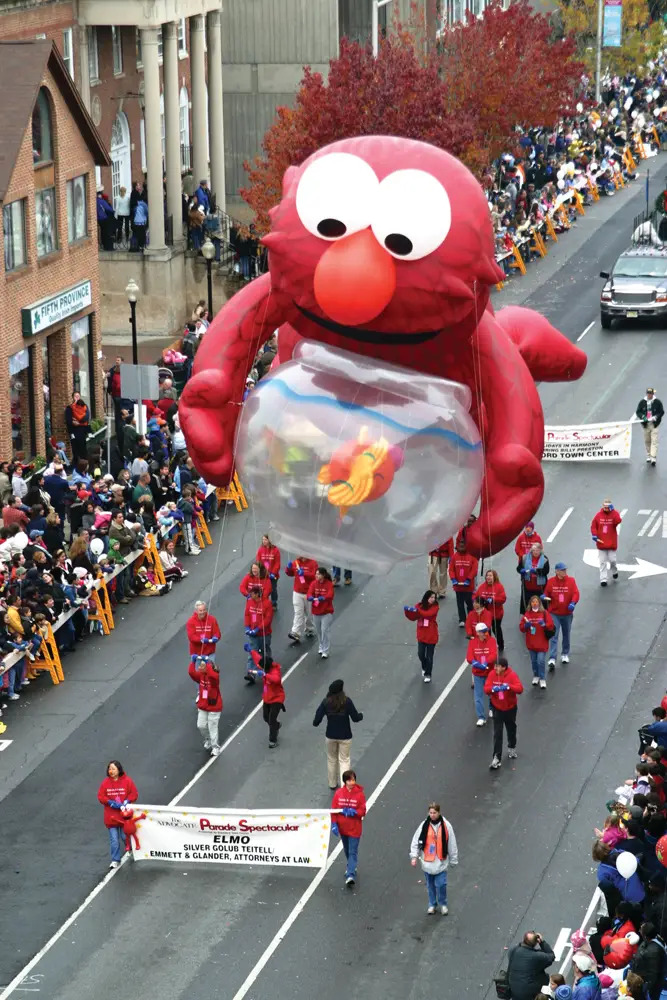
(651, 514)
(316, 882)
(211, 761)
(623, 513)
(583, 927)
(582, 335)
(20, 977)
(5, 743)
(559, 525)
(562, 942)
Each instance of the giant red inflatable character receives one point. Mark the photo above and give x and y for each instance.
(383, 246)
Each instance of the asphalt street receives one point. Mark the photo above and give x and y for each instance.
(524, 831)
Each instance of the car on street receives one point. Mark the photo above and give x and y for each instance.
(636, 288)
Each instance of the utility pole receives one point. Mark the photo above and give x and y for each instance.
(598, 54)
(375, 24)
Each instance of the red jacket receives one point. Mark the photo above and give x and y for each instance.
(116, 790)
(561, 593)
(249, 581)
(612, 935)
(524, 542)
(273, 691)
(202, 628)
(302, 583)
(472, 619)
(209, 698)
(323, 592)
(350, 826)
(538, 641)
(444, 551)
(259, 615)
(463, 566)
(495, 594)
(12, 515)
(485, 652)
(427, 626)
(605, 526)
(503, 700)
(270, 558)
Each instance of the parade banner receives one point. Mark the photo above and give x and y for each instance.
(613, 24)
(231, 836)
(609, 442)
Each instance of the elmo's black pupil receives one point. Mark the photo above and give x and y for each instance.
(331, 227)
(399, 244)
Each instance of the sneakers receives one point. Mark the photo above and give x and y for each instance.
(431, 910)
(184, 572)
(551, 662)
(653, 462)
(444, 910)
(216, 751)
(114, 864)
(310, 635)
(603, 583)
(511, 753)
(495, 764)
(535, 681)
(565, 658)
(194, 551)
(427, 678)
(648, 460)
(25, 683)
(207, 744)
(481, 722)
(124, 600)
(543, 684)
(461, 625)
(348, 583)
(325, 656)
(349, 881)
(14, 697)
(294, 637)
(273, 745)
(614, 576)
(490, 713)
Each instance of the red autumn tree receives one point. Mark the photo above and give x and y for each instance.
(466, 96)
(391, 95)
(510, 68)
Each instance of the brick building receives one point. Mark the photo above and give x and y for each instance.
(49, 284)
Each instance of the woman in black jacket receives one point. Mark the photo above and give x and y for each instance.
(339, 709)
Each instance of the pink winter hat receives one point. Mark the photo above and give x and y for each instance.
(605, 980)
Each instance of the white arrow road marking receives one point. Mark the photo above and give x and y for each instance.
(562, 942)
(5, 743)
(641, 568)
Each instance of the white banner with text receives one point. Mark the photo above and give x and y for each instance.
(610, 442)
(230, 836)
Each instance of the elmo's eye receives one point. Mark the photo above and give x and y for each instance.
(336, 195)
(412, 214)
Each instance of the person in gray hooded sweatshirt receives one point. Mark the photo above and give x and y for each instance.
(434, 844)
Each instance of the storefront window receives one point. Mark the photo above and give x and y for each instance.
(81, 359)
(45, 221)
(20, 387)
(46, 388)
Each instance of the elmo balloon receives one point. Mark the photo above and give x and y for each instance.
(383, 247)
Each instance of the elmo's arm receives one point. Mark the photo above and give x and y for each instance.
(210, 405)
(549, 355)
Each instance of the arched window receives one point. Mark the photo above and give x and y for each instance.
(184, 127)
(42, 136)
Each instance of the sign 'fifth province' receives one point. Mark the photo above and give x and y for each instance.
(230, 836)
(609, 442)
(55, 308)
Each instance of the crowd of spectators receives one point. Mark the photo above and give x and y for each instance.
(584, 154)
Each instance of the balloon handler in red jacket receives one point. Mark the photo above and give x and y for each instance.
(205, 672)
(273, 692)
(502, 686)
(346, 823)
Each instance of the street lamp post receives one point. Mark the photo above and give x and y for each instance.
(132, 292)
(375, 24)
(208, 253)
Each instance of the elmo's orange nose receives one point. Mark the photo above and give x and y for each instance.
(354, 279)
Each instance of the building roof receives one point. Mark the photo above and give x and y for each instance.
(22, 69)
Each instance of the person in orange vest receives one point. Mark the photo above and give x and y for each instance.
(527, 538)
(604, 532)
(434, 846)
(502, 686)
(482, 655)
(562, 595)
(438, 561)
(463, 573)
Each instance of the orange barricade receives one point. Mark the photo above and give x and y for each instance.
(48, 657)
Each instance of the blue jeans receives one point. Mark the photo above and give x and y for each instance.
(274, 593)
(116, 842)
(261, 644)
(478, 696)
(436, 886)
(563, 622)
(537, 663)
(335, 572)
(351, 848)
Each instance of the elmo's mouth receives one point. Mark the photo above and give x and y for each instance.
(367, 336)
